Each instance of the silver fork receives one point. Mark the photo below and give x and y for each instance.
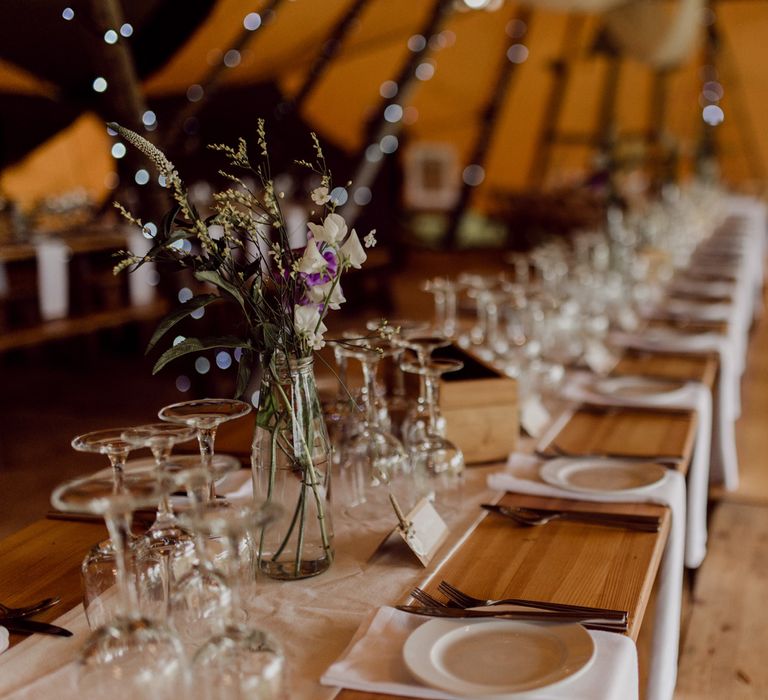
(421, 596)
(465, 600)
(530, 517)
(28, 610)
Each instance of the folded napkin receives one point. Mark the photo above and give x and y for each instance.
(40, 661)
(3, 639)
(696, 397)
(522, 476)
(724, 463)
(53, 278)
(373, 662)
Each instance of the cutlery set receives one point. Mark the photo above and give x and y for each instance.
(15, 619)
(462, 606)
(538, 516)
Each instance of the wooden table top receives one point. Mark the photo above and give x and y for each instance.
(561, 561)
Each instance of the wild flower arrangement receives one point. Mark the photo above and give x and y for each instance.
(283, 296)
(243, 249)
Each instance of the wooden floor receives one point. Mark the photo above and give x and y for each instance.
(725, 645)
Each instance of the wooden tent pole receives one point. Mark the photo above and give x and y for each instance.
(490, 115)
(561, 70)
(212, 80)
(330, 49)
(606, 119)
(124, 103)
(378, 128)
(657, 117)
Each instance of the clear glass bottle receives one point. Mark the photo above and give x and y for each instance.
(291, 459)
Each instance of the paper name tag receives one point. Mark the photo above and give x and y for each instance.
(423, 530)
(598, 358)
(534, 417)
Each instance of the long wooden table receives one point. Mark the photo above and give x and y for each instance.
(561, 561)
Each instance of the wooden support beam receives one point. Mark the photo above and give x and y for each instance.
(330, 49)
(406, 81)
(211, 83)
(561, 72)
(491, 111)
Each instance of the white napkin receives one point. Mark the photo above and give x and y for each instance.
(522, 476)
(696, 397)
(3, 639)
(724, 464)
(53, 278)
(39, 660)
(373, 662)
(140, 287)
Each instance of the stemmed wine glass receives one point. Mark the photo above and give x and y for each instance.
(445, 292)
(416, 419)
(433, 456)
(205, 416)
(245, 660)
(131, 656)
(201, 599)
(99, 567)
(371, 457)
(165, 533)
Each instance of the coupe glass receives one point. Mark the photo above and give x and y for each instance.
(205, 416)
(131, 656)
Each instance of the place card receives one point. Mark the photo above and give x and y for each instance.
(423, 530)
(534, 417)
(598, 358)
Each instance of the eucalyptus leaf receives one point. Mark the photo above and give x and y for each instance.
(195, 303)
(217, 280)
(189, 345)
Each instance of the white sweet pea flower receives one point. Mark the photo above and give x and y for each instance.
(352, 252)
(319, 293)
(312, 261)
(320, 195)
(306, 322)
(370, 239)
(332, 231)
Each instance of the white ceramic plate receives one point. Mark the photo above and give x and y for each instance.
(496, 659)
(640, 388)
(598, 474)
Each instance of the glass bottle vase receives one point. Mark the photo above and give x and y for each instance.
(291, 458)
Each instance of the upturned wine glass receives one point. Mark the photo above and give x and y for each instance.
(371, 458)
(201, 599)
(205, 416)
(131, 656)
(434, 457)
(240, 661)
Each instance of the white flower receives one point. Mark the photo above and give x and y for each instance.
(320, 195)
(332, 231)
(320, 292)
(370, 239)
(312, 261)
(307, 324)
(352, 253)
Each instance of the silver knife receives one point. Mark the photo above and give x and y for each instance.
(22, 626)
